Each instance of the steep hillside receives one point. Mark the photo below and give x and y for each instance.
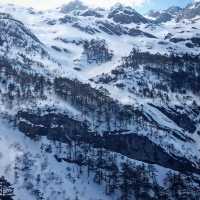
(100, 104)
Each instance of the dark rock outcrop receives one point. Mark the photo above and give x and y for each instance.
(141, 148)
(117, 29)
(136, 32)
(111, 28)
(97, 51)
(180, 118)
(61, 127)
(126, 15)
(68, 19)
(55, 126)
(196, 41)
(177, 40)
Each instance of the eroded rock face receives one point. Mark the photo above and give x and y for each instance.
(55, 126)
(141, 148)
(135, 32)
(126, 15)
(60, 127)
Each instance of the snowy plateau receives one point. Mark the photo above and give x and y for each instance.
(100, 104)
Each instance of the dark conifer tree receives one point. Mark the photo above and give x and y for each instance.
(126, 182)
(6, 189)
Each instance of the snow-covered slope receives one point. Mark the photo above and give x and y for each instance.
(106, 92)
(33, 169)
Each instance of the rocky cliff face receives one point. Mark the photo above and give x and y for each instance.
(191, 11)
(60, 127)
(126, 15)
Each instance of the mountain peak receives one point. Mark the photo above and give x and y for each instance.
(126, 15)
(73, 5)
(116, 6)
(173, 10)
(165, 15)
(121, 7)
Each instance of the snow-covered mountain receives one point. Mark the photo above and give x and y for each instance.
(165, 15)
(100, 104)
(191, 11)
